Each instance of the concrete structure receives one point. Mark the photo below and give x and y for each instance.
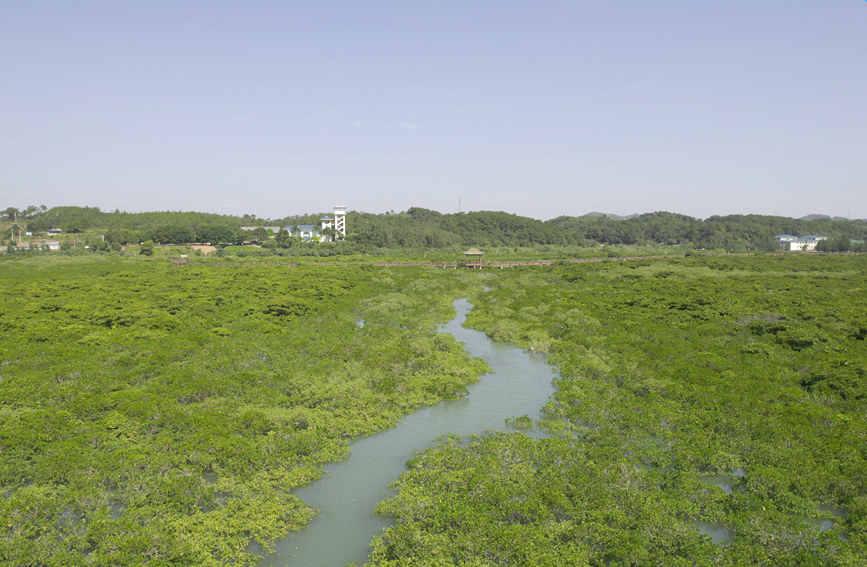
(333, 228)
(306, 232)
(799, 243)
(340, 222)
(330, 228)
(52, 245)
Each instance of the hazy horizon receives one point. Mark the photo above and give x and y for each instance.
(541, 110)
(328, 210)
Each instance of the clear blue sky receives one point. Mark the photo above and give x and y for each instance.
(538, 108)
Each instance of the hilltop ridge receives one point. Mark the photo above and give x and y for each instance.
(420, 228)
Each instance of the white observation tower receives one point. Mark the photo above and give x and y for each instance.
(340, 222)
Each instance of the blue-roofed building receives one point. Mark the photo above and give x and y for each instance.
(334, 227)
(306, 232)
(330, 229)
(799, 243)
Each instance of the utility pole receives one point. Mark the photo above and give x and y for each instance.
(459, 203)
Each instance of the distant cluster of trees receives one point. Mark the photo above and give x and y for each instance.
(418, 227)
(177, 234)
(14, 215)
(165, 227)
(842, 244)
(735, 233)
(424, 228)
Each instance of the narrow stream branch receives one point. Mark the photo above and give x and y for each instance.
(520, 385)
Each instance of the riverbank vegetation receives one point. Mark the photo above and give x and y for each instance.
(158, 414)
(711, 411)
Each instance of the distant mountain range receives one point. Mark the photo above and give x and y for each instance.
(810, 217)
(610, 216)
(823, 217)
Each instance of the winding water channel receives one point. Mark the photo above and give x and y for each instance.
(346, 496)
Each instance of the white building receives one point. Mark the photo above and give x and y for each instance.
(306, 232)
(335, 225)
(799, 243)
(330, 228)
(340, 222)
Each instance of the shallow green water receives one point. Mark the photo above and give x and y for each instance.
(346, 497)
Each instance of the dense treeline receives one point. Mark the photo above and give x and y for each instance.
(710, 412)
(424, 228)
(419, 228)
(165, 227)
(734, 233)
(77, 219)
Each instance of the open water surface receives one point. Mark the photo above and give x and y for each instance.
(520, 385)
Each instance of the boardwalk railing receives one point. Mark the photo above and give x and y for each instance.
(445, 265)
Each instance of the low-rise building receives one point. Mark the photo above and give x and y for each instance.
(799, 243)
(306, 232)
(330, 228)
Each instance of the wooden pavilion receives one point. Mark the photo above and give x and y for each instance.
(473, 258)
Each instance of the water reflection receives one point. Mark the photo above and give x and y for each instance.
(718, 533)
(722, 482)
(826, 524)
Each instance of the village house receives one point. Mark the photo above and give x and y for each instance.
(52, 245)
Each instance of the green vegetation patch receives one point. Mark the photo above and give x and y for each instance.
(161, 414)
(710, 411)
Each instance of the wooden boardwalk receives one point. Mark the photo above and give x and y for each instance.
(501, 265)
(442, 265)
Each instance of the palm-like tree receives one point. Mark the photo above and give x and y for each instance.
(329, 233)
